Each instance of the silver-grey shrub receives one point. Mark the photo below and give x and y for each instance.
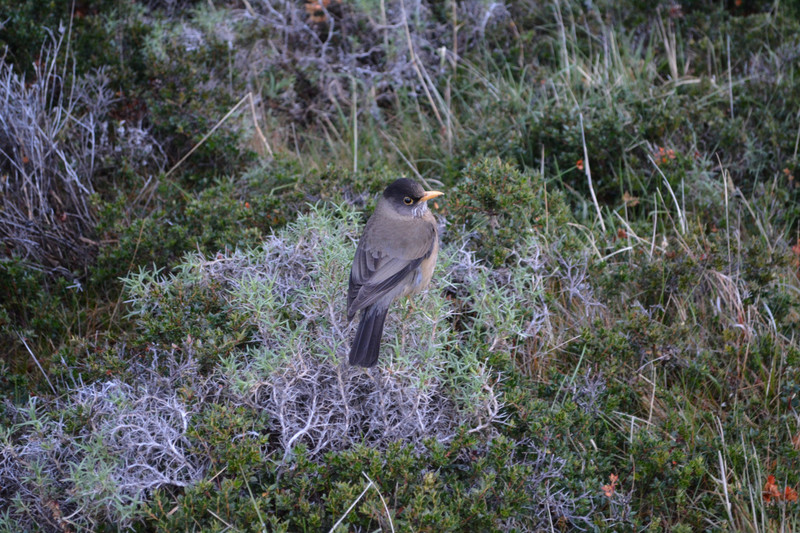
(426, 385)
(55, 134)
(96, 460)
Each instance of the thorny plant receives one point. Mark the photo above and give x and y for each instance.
(112, 444)
(547, 501)
(515, 310)
(588, 391)
(425, 386)
(430, 380)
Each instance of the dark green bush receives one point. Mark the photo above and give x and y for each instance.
(465, 485)
(227, 214)
(28, 23)
(496, 206)
(41, 312)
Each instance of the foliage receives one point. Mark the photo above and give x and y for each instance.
(29, 23)
(610, 340)
(502, 207)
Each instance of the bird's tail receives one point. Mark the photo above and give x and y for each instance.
(367, 344)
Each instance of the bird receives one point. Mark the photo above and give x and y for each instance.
(395, 257)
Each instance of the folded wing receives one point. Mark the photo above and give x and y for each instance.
(377, 273)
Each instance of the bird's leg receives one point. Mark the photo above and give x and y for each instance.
(403, 323)
(377, 379)
(410, 306)
(408, 310)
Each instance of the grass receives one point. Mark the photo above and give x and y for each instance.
(610, 342)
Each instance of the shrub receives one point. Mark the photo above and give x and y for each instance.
(497, 208)
(29, 23)
(289, 292)
(90, 458)
(226, 214)
(54, 135)
(37, 314)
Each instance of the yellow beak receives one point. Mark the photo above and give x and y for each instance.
(430, 195)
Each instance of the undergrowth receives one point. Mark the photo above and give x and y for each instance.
(610, 339)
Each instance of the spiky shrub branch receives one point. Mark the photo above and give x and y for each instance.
(112, 444)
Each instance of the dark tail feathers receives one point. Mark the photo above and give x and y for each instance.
(367, 344)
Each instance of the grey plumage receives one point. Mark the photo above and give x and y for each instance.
(395, 257)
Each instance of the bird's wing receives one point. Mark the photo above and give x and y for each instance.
(377, 271)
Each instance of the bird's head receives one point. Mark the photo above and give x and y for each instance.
(408, 198)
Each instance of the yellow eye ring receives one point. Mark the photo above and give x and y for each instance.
(408, 201)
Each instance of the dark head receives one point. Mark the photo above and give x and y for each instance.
(408, 197)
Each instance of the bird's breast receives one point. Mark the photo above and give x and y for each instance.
(423, 273)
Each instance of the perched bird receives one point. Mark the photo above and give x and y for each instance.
(395, 257)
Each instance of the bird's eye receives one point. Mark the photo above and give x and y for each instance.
(407, 200)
